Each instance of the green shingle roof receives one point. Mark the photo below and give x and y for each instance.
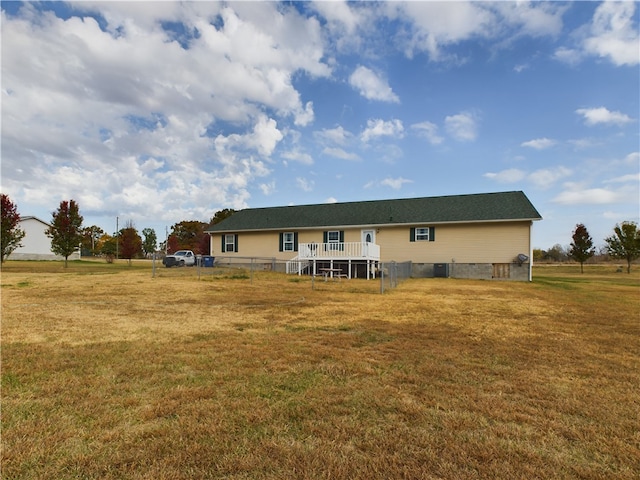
(501, 206)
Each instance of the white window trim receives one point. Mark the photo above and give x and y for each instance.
(288, 245)
(230, 246)
(422, 234)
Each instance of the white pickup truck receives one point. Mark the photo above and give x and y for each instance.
(181, 258)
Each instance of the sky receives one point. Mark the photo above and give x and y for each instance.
(160, 112)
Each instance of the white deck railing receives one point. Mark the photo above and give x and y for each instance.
(309, 253)
(344, 250)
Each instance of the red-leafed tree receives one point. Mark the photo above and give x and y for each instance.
(66, 229)
(11, 234)
(172, 244)
(130, 242)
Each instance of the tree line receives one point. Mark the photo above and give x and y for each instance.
(68, 234)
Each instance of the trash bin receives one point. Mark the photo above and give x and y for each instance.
(207, 260)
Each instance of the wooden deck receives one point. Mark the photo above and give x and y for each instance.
(343, 256)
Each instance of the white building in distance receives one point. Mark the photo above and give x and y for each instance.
(36, 245)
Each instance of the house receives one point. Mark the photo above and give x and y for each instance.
(36, 245)
(465, 236)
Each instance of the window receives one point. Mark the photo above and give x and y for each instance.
(230, 242)
(334, 239)
(288, 242)
(422, 234)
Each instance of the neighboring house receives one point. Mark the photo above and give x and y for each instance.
(36, 245)
(465, 236)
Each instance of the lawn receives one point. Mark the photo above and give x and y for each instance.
(109, 372)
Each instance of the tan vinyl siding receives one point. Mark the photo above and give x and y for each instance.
(498, 242)
(266, 244)
(466, 243)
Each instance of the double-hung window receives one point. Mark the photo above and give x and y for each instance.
(230, 242)
(422, 234)
(288, 242)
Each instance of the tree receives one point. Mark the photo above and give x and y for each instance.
(188, 235)
(66, 229)
(130, 242)
(625, 243)
(172, 244)
(150, 242)
(90, 237)
(556, 253)
(11, 234)
(107, 247)
(221, 215)
(582, 248)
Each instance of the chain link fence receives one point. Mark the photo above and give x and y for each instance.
(388, 275)
(392, 273)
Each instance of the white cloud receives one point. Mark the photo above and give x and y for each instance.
(304, 117)
(340, 153)
(304, 184)
(268, 188)
(632, 177)
(395, 183)
(338, 12)
(583, 143)
(532, 18)
(539, 143)
(462, 127)
(595, 116)
(436, 25)
(379, 128)
(102, 105)
(429, 131)
(371, 86)
(546, 177)
(613, 34)
(588, 196)
(633, 158)
(337, 135)
(298, 156)
(570, 56)
(265, 136)
(510, 175)
(542, 178)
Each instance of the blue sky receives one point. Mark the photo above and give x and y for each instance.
(159, 112)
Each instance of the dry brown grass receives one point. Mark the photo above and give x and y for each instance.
(108, 373)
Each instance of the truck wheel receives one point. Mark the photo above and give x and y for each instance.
(182, 263)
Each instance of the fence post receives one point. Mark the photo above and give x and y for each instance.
(382, 279)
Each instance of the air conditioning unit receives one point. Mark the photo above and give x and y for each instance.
(441, 270)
